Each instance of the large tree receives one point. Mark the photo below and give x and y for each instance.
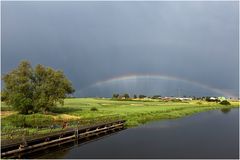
(36, 89)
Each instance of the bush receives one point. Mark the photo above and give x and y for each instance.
(225, 102)
(94, 109)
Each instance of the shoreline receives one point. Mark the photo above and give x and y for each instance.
(135, 112)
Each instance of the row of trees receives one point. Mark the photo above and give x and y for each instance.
(141, 96)
(31, 90)
(126, 96)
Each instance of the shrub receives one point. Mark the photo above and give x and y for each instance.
(94, 109)
(225, 102)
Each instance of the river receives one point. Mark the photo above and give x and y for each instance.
(212, 134)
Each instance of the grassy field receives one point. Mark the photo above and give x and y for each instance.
(134, 111)
(89, 111)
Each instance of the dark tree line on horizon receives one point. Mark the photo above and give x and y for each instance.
(141, 96)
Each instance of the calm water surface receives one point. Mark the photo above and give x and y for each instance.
(212, 134)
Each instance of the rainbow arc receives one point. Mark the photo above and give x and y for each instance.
(158, 77)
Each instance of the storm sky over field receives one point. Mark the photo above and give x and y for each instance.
(168, 48)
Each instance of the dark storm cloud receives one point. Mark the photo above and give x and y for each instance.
(93, 41)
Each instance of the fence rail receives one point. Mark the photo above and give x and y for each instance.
(79, 135)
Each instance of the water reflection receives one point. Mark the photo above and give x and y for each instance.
(197, 137)
(226, 110)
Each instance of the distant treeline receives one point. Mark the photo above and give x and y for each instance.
(141, 96)
(135, 96)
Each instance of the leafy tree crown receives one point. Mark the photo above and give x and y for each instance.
(36, 89)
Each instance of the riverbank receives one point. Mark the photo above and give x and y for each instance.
(203, 134)
(92, 110)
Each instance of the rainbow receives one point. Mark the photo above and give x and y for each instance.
(159, 77)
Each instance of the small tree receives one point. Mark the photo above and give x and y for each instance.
(115, 95)
(142, 96)
(225, 102)
(39, 89)
(156, 96)
(126, 95)
(134, 96)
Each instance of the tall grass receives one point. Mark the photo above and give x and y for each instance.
(31, 121)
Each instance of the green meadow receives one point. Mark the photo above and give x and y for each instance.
(136, 112)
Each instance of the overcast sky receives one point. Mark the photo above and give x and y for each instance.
(96, 41)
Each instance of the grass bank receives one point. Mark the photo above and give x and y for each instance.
(92, 110)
